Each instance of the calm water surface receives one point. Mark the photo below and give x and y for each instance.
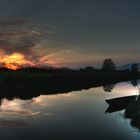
(75, 115)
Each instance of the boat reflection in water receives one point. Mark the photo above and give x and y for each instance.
(130, 105)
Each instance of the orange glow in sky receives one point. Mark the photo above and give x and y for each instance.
(14, 61)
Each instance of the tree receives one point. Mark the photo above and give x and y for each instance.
(89, 68)
(108, 65)
(134, 67)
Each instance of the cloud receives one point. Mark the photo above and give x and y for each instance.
(17, 36)
(8, 21)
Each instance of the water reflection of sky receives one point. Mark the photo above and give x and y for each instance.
(76, 114)
(38, 106)
(123, 89)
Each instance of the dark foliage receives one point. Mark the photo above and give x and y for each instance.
(109, 87)
(134, 68)
(108, 65)
(31, 82)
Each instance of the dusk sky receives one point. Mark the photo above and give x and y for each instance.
(76, 33)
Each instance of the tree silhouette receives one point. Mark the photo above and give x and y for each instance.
(108, 65)
(87, 69)
(134, 67)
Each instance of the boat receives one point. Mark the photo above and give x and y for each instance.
(120, 103)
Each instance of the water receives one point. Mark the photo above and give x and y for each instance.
(75, 115)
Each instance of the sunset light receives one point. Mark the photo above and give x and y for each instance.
(14, 61)
(69, 69)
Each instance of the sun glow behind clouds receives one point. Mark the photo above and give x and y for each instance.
(14, 61)
(24, 44)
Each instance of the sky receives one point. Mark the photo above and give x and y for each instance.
(72, 33)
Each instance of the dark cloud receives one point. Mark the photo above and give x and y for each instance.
(5, 21)
(21, 47)
(17, 37)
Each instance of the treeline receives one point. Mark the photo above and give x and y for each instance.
(107, 66)
(29, 82)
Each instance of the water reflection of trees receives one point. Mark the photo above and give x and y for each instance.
(130, 105)
(131, 109)
(132, 112)
(109, 87)
(135, 82)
